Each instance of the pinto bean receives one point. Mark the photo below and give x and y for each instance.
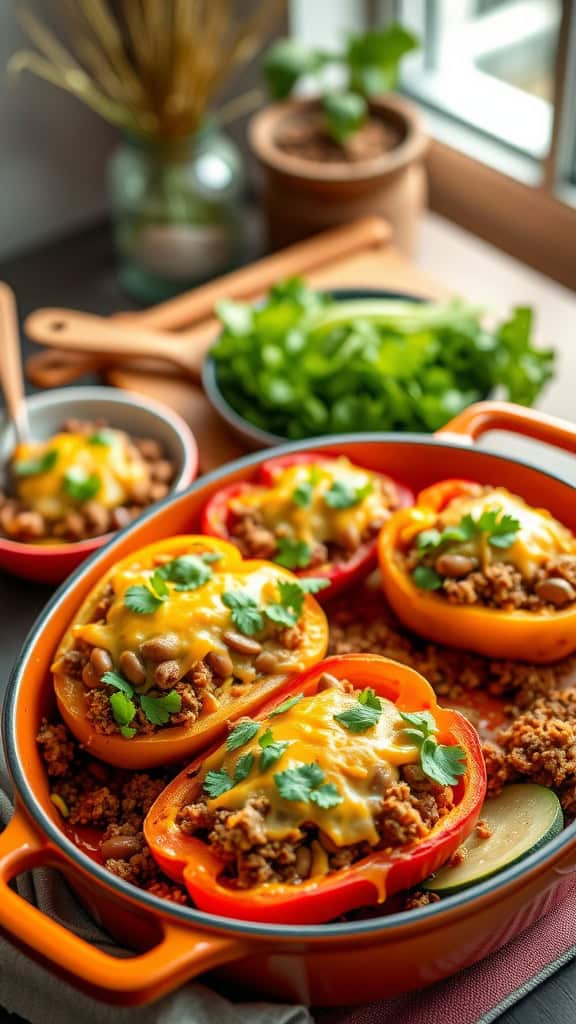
(160, 648)
(220, 663)
(90, 677)
(161, 470)
(97, 517)
(158, 491)
(381, 779)
(29, 524)
(556, 591)
(455, 566)
(266, 663)
(148, 448)
(167, 673)
(328, 682)
(120, 517)
(240, 643)
(101, 661)
(303, 861)
(132, 668)
(120, 847)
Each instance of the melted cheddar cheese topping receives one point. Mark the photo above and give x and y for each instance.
(540, 535)
(318, 521)
(198, 618)
(349, 761)
(117, 466)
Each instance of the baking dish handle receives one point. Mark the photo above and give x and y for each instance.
(180, 954)
(477, 419)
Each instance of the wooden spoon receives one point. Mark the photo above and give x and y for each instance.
(83, 332)
(11, 376)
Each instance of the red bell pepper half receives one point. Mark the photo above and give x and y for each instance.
(217, 515)
(368, 881)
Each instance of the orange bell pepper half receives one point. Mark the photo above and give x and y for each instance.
(177, 742)
(542, 637)
(368, 881)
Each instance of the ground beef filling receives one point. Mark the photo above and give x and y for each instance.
(21, 522)
(199, 688)
(256, 539)
(409, 810)
(500, 585)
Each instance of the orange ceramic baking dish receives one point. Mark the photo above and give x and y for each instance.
(319, 964)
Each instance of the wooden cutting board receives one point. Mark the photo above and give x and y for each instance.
(374, 264)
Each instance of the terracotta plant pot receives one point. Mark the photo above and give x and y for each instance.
(303, 195)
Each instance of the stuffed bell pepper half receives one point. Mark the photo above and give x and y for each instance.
(177, 640)
(351, 785)
(476, 567)
(316, 514)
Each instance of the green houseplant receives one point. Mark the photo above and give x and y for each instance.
(350, 150)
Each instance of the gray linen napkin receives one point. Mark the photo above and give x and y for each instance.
(34, 993)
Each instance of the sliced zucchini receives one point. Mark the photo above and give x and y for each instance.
(521, 819)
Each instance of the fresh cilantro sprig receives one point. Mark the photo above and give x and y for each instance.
(145, 599)
(246, 615)
(286, 705)
(305, 783)
(364, 714)
(440, 762)
(342, 495)
(499, 528)
(272, 749)
(104, 438)
(188, 572)
(249, 617)
(292, 554)
(36, 465)
(303, 493)
(242, 733)
(218, 782)
(80, 485)
(124, 704)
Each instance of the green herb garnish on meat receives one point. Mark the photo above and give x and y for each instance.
(301, 364)
(305, 782)
(364, 714)
(272, 749)
(292, 554)
(440, 762)
(146, 599)
(79, 485)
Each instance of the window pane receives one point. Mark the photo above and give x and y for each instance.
(488, 64)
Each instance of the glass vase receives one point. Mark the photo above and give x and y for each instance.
(176, 212)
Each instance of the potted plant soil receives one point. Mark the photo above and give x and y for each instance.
(350, 152)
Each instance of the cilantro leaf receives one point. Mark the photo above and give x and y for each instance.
(37, 464)
(426, 578)
(141, 600)
(188, 572)
(504, 532)
(297, 783)
(286, 705)
(341, 495)
(80, 485)
(217, 783)
(421, 721)
(442, 763)
(326, 796)
(118, 682)
(243, 767)
(246, 615)
(158, 586)
(360, 716)
(241, 734)
(312, 584)
(292, 554)
(288, 610)
(123, 709)
(428, 539)
(302, 494)
(369, 698)
(306, 782)
(272, 749)
(103, 437)
(159, 709)
(127, 732)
